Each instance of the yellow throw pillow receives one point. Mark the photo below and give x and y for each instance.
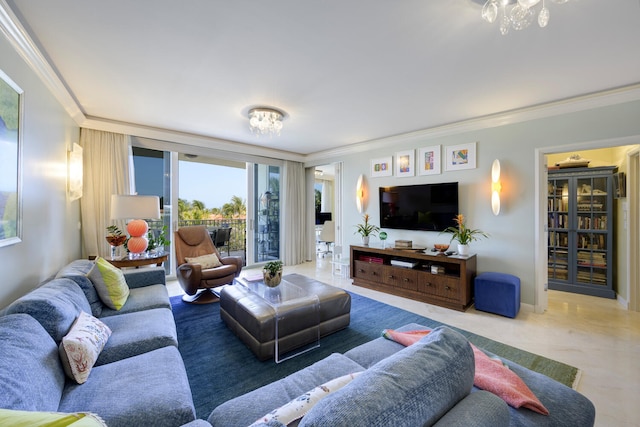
(206, 261)
(109, 283)
(10, 417)
(80, 348)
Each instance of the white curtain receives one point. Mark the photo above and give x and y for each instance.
(326, 198)
(107, 171)
(293, 215)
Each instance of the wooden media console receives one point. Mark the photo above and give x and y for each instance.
(450, 285)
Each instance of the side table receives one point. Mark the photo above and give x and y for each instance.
(137, 262)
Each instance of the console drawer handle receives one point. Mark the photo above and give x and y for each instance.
(391, 276)
(447, 288)
(406, 279)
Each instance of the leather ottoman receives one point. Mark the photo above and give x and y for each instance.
(252, 319)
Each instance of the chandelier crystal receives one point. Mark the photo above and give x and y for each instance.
(516, 14)
(265, 121)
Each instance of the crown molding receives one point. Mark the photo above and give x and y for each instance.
(23, 44)
(605, 98)
(193, 140)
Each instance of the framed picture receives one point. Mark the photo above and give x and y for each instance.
(405, 163)
(382, 167)
(429, 160)
(619, 185)
(458, 157)
(10, 161)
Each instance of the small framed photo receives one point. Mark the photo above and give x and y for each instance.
(429, 160)
(382, 167)
(405, 163)
(458, 157)
(619, 185)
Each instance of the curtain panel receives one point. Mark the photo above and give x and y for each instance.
(107, 171)
(293, 215)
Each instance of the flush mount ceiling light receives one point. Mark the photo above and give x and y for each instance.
(265, 121)
(516, 14)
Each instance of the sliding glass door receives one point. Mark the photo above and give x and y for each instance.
(265, 199)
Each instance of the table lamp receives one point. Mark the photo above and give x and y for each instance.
(136, 209)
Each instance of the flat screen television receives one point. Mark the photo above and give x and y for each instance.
(322, 217)
(429, 207)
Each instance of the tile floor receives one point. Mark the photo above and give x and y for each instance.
(593, 334)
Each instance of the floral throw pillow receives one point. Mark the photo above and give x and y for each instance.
(80, 348)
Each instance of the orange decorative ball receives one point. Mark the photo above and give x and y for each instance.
(138, 228)
(137, 245)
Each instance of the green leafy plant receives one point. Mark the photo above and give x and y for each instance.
(366, 229)
(273, 267)
(463, 234)
(158, 242)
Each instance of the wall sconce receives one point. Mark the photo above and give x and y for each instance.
(136, 208)
(495, 187)
(74, 172)
(360, 193)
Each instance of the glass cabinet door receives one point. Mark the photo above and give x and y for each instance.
(558, 225)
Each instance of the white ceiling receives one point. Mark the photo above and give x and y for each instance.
(345, 71)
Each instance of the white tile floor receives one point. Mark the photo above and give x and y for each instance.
(593, 334)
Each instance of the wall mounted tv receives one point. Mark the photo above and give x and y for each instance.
(429, 207)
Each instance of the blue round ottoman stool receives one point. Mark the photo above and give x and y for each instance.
(497, 293)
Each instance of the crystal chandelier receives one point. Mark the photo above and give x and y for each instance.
(265, 121)
(516, 14)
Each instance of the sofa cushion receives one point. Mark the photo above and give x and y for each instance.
(77, 271)
(31, 377)
(110, 283)
(141, 299)
(245, 409)
(56, 305)
(206, 261)
(81, 347)
(417, 385)
(137, 333)
(14, 418)
(154, 392)
(298, 407)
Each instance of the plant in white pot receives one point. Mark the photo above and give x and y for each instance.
(463, 234)
(366, 230)
(272, 273)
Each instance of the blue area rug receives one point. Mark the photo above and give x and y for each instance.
(220, 367)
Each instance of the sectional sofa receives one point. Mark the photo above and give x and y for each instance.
(138, 378)
(384, 383)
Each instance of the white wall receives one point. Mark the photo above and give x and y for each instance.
(50, 232)
(510, 248)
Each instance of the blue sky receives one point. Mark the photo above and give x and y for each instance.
(211, 184)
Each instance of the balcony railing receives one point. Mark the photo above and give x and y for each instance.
(237, 241)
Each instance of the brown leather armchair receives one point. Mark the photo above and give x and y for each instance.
(194, 241)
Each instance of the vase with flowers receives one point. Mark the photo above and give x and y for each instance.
(463, 234)
(366, 230)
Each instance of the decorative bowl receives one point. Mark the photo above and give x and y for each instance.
(441, 247)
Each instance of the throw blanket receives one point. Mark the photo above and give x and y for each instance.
(491, 375)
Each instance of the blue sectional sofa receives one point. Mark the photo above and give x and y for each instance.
(428, 383)
(139, 377)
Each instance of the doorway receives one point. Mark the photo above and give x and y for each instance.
(618, 152)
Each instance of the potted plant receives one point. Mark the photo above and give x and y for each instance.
(272, 273)
(365, 230)
(115, 237)
(463, 234)
(158, 243)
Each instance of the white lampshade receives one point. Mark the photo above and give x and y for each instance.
(135, 207)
